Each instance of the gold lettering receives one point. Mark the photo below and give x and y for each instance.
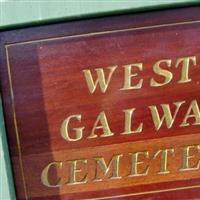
(163, 160)
(104, 126)
(194, 108)
(128, 119)
(106, 168)
(185, 68)
(103, 83)
(163, 72)
(64, 129)
(45, 173)
(186, 157)
(135, 163)
(167, 116)
(128, 75)
(73, 172)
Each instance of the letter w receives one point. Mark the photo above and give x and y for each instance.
(167, 116)
(103, 83)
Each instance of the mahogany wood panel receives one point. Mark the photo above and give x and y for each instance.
(43, 83)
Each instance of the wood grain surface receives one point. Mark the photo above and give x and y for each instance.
(43, 83)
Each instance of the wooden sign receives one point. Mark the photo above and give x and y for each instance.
(105, 108)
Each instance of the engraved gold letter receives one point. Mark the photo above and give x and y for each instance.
(135, 163)
(163, 72)
(128, 75)
(100, 79)
(185, 68)
(163, 160)
(45, 172)
(104, 126)
(106, 168)
(64, 129)
(73, 170)
(128, 120)
(169, 119)
(186, 156)
(196, 114)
